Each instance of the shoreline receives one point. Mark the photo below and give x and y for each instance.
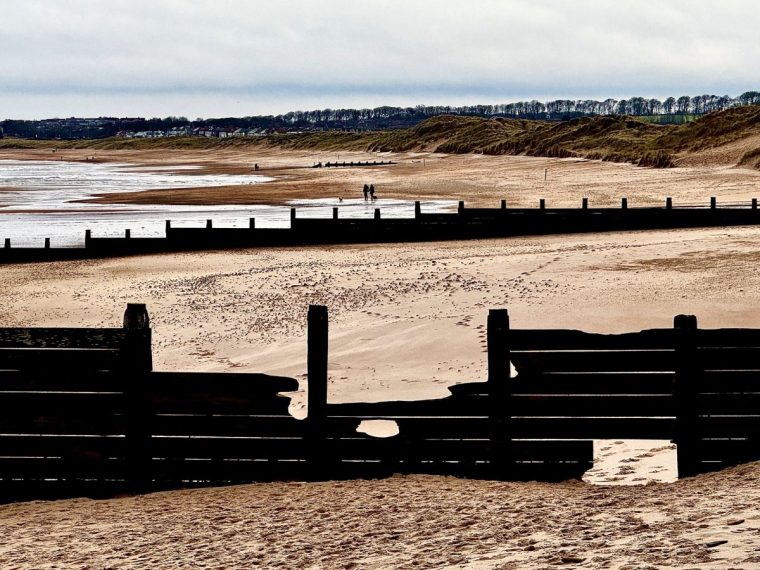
(482, 181)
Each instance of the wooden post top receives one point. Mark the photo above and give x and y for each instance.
(136, 316)
(685, 322)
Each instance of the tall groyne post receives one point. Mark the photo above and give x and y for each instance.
(138, 363)
(499, 410)
(317, 375)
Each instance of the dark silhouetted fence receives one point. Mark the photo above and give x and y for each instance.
(82, 411)
(466, 223)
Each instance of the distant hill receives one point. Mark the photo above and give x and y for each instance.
(730, 137)
(612, 138)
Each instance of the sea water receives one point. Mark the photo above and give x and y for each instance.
(47, 199)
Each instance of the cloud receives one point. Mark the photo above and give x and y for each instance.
(204, 56)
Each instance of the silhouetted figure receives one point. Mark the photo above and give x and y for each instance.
(372, 191)
(256, 166)
(365, 190)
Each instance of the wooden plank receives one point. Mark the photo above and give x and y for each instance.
(74, 404)
(578, 383)
(712, 381)
(594, 428)
(543, 428)
(46, 489)
(728, 358)
(61, 422)
(478, 428)
(59, 358)
(97, 447)
(732, 451)
(55, 468)
(226, 383)
(456, 449)
(444, 407)
(218, 403)
(594, 361)
(728, 404)
(549, 471)
(728, 338)
(593, 406)
(225, 425)
(564, 339)
(729, 426)
(61, 337)
(220, 447)
(182, 472)
(70, 380)
(601, 383)
(523, 405)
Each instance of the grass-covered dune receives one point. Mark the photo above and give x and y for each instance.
(612, 138)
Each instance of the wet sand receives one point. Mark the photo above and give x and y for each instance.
(477, 179)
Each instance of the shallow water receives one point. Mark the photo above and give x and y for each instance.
(45, 201)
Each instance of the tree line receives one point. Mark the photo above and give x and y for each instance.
(385, 117)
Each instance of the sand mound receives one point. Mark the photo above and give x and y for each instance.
(401, 522)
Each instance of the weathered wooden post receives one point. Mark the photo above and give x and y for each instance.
(685, 390)
(209, 225)
(624, 204)
(127, 234)
(754, 203)
(417, 209)
(252, 223)
(47, 243)
(460, 207)
(87, 237)
(317, 375)
(335, 213)
(292, 217)
(135, 372)
(377, 213)
(503, 204)
(713, 203)
(499, 410)
(584, 204)
(668, 203)
(168, 226)
(542, 204)
(7, 243)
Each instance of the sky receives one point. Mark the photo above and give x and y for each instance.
(217, 58)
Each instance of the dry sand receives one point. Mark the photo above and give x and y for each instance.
(406, 322)
(402, 522)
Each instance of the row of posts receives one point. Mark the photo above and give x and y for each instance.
(417, 213)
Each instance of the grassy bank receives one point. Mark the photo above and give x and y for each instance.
(612, 138)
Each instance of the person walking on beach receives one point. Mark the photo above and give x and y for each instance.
(372, 192)
(366, 192)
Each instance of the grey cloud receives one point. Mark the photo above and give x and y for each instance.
(244, 57)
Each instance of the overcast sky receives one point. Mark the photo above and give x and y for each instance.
(214, 58)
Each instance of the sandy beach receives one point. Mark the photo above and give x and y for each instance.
(406, 322)
(479, 180)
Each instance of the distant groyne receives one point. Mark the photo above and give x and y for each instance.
(464, 224)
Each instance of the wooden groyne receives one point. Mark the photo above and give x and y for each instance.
(82, 412)
(352, 163)
(465, 223)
